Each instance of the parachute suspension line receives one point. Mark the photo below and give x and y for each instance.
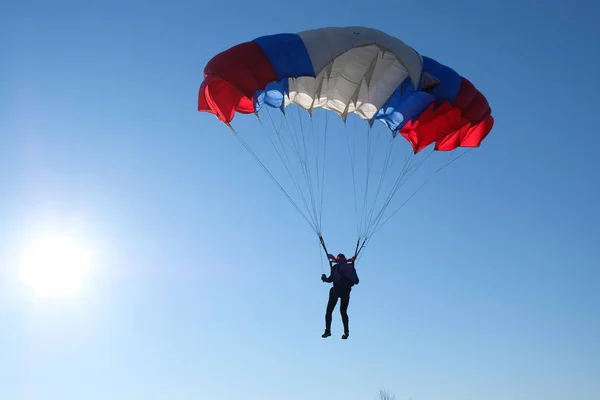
(302, 160)
(370, 158)
(321, 181)
(380, 224)
(298, 142)
(405, 174)
(272, 178)
(368, 210)
(313, 224)
(361, 221)
(366, 220)
(369, 167)
(351, 154)
(325, 250)
(360, 244)
(301, 150)
(385, 168)
(306, 169)
(384, 171)
(454, 159)
(321, 257)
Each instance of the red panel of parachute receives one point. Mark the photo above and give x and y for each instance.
(464, 123)
(231, 79)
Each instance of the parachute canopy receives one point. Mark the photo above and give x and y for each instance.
(349, 70)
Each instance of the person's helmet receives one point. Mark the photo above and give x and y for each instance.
(341, 257)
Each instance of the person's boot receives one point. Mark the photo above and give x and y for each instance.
(345, 335)
(327, 333)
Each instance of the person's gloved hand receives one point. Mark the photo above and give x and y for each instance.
(323, 277)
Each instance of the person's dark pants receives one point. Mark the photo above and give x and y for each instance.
(344, 295)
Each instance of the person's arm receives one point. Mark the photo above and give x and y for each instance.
(329, 278)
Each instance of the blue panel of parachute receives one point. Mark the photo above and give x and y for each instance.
(405, 104)
(272, 95)
(450, 81)
(287, 54)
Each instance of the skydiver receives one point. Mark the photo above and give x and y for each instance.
(343, 276)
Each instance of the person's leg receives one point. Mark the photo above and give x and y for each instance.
(344, 302)
(331, 303)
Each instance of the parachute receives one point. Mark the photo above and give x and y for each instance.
(344, 71)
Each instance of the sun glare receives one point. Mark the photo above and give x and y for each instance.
(55, 266)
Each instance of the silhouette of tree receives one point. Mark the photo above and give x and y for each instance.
(385, 395)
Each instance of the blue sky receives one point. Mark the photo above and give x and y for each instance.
(206, 281)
